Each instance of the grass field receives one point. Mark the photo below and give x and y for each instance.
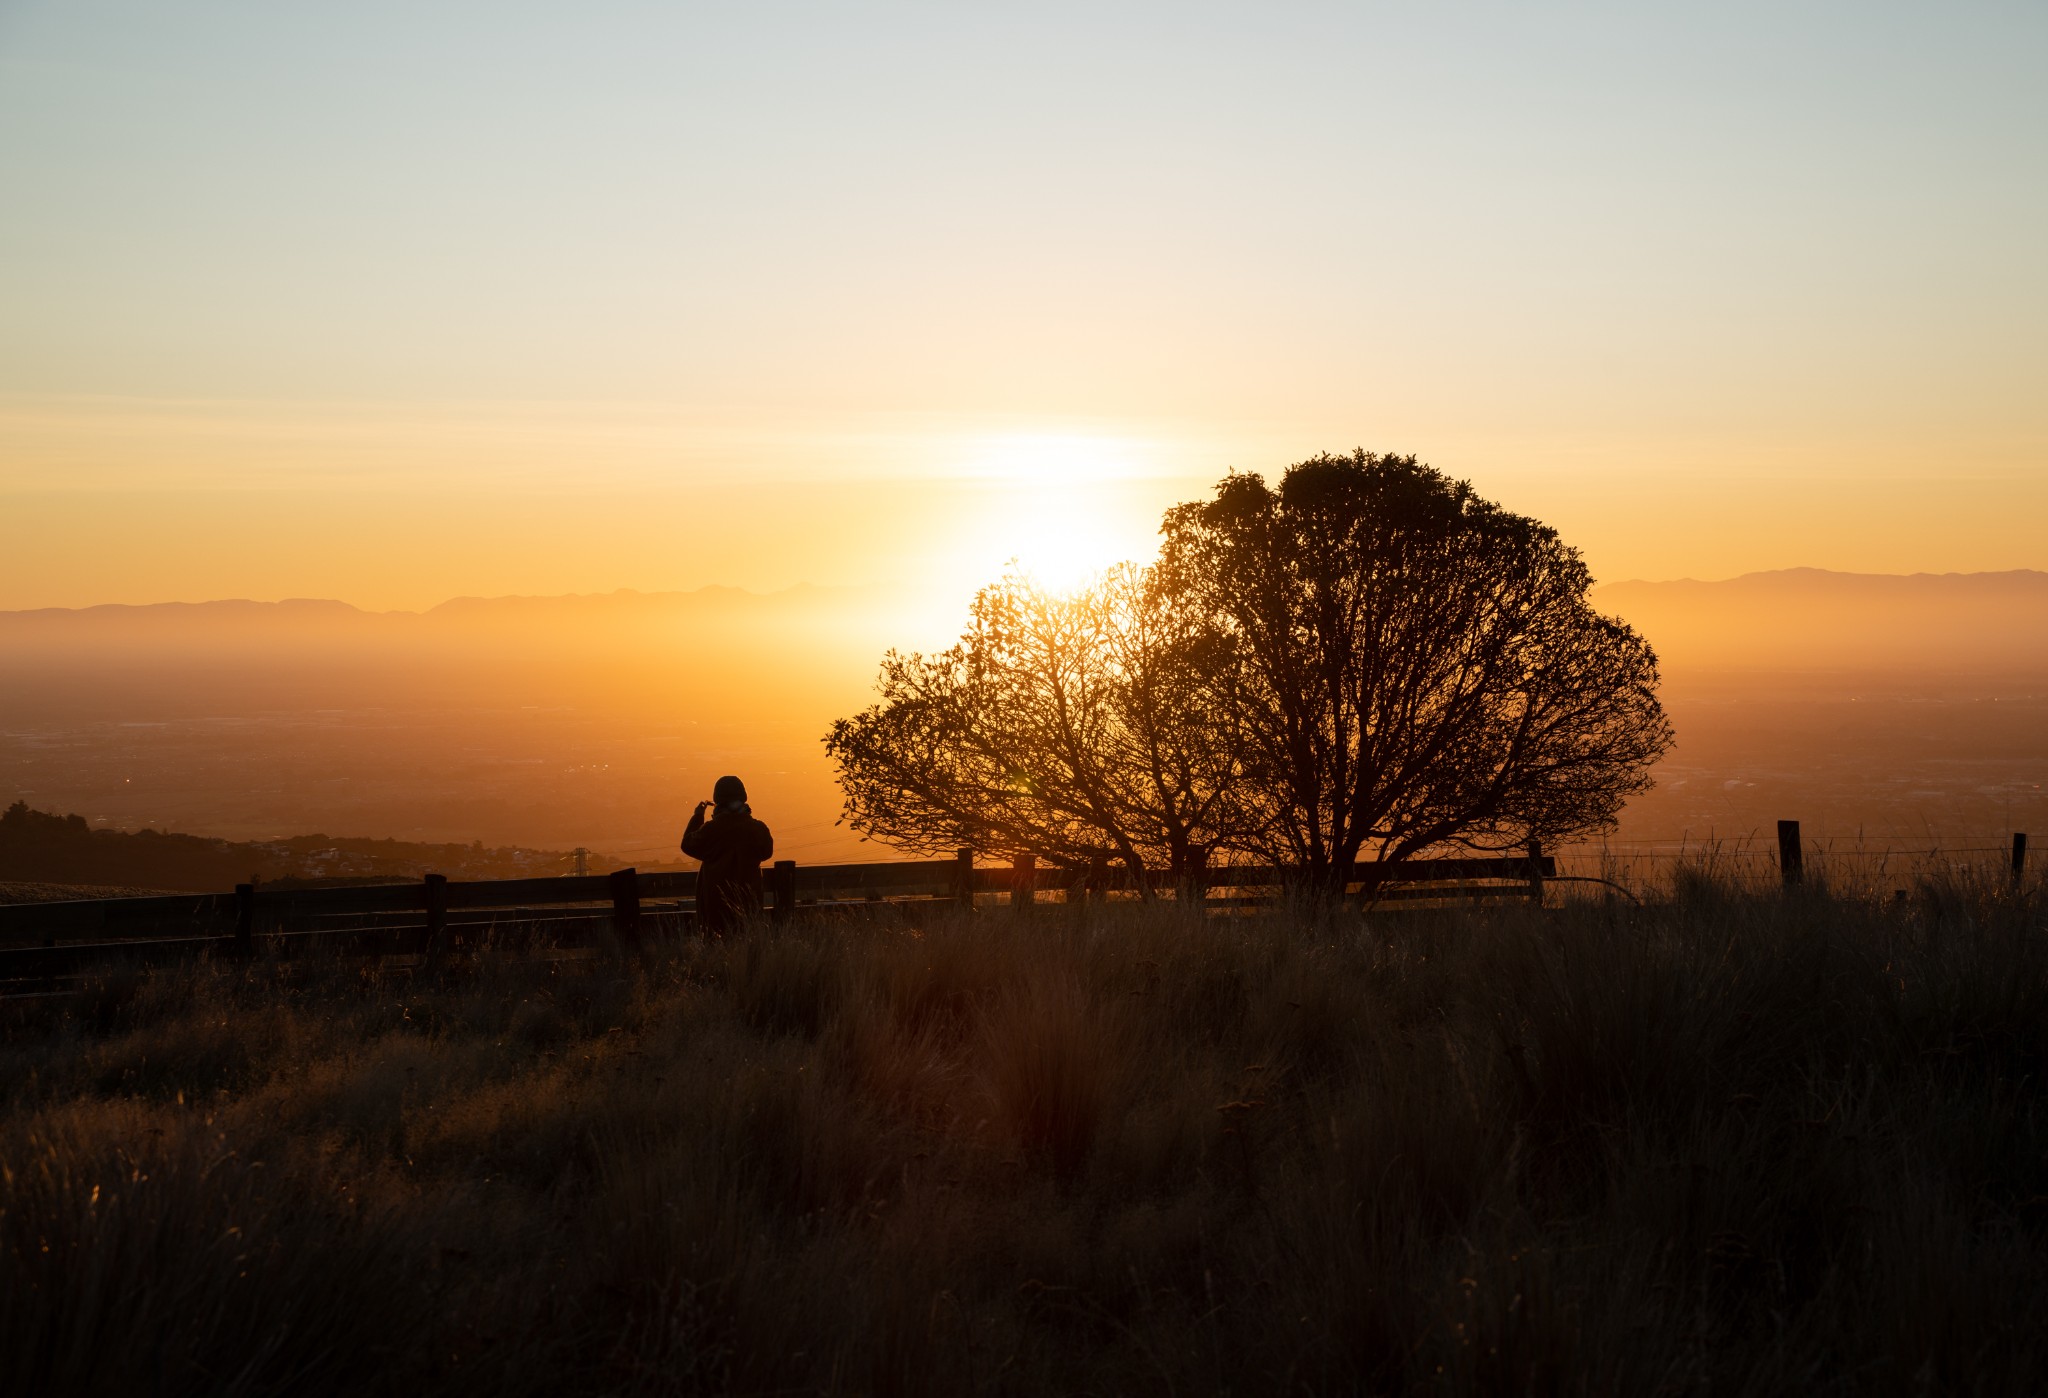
(1726, 1142)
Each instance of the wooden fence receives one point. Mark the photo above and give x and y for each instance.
(435, 914)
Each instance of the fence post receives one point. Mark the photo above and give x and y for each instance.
(437, 913)
(1791, 862)
(245, 919)
(625, 891)
(2019, 856)
(963, 879)
(784, 882)
(1023, 879)
(1095, 883)
(1536, 872)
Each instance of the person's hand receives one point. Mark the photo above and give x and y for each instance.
(703, 806)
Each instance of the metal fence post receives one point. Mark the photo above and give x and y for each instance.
(1791, 861)
(2019, 856)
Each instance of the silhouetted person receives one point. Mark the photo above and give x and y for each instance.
(732, 846)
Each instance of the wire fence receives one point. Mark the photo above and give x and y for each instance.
(1755, 860)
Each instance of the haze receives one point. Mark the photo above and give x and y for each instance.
(833, 310)
(1884, 712)
(408, 302)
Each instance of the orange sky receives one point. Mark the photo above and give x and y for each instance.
(393, 306)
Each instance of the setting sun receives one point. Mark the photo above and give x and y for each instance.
(1063, 534)
(1060, 507)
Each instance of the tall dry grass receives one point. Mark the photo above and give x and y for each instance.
(1720, 1143)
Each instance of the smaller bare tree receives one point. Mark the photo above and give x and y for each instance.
(1078, 729)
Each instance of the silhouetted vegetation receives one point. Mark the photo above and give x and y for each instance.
(1416, 665)
(1075, 728)
(44, 848)
(1722, 1143)
(1368, 657)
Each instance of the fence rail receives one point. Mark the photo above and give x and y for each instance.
(435, 914)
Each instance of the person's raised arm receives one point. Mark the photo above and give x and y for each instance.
(693, 842)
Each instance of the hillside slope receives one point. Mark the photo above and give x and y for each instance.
(39, 847)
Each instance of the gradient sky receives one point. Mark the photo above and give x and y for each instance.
(394, 302)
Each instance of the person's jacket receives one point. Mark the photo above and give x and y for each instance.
(731, 846)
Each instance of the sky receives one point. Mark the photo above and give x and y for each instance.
(396, 302)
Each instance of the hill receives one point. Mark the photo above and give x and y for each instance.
(545, 722)
(40, 847)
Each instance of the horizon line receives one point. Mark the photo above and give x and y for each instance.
(873, 587)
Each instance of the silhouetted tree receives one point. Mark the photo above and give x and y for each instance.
(1411, 666)
(1076, 728)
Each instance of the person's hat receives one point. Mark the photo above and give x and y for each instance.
(730, 791)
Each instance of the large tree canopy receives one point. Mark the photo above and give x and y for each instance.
(1411, 665)
(1079, 729)
(1368, 657)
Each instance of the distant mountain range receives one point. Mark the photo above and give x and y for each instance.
(1797, 618)
(793, 636)
(324, 617)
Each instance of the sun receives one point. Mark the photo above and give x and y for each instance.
(1059, 542)
(1059, 507)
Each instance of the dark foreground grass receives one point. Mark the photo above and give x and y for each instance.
(1721, 1144)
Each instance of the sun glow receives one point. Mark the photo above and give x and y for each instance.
(1047, 458)
(1059, 507)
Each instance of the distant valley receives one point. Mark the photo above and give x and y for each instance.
(1893, 710)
